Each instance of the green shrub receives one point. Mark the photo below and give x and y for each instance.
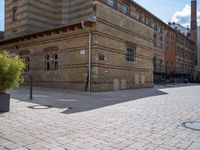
(10, 71)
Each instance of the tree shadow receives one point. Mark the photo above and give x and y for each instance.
(77, 101)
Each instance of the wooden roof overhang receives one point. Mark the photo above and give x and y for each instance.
(49, 32)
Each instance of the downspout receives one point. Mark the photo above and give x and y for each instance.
(89, 55)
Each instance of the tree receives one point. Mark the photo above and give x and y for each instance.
(10, 71)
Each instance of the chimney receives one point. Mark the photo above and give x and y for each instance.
(194, 20)
(194, 26)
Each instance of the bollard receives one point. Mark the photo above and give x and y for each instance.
(31, 87)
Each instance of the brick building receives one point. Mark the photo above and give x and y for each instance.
(84, 44)
(198, 52)
(179, 54)
(185, 57)
(170, 53)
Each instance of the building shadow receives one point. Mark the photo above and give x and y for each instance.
(76, 101)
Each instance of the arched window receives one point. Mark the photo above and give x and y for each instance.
(111, 3)
(55, 61)
(47, 63)
(124, 9)
(27, 64)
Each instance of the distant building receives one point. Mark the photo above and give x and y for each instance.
(179, 53)
(1, 35)
(198, 50)
(180, 28)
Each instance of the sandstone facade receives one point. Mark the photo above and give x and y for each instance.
(25, 16)
(128, 43)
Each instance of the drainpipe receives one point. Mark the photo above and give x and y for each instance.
(89, 54)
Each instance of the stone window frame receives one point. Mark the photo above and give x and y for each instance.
(55, 62)
(25, 56)
(130, 54)
(112, 3)
(143, 19)
(122, 9)
(27, 64)
(47, 63)
(147, 21)
(51, 62)
(155, 44)
(139, 16)
(14, 14)
(152, 24)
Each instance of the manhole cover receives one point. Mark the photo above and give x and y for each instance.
(40, 107)
(194, 125)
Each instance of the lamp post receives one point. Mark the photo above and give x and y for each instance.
(31, 86)
(89, 31)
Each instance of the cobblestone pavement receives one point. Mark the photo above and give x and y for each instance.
(148, 123)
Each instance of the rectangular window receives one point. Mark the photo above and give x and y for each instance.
(147, 21)
(158, 28)
(152, 24)
(130, 54)
(138, 16)
(143, 18)
(14, 14)
(155, 27)
(161, 30)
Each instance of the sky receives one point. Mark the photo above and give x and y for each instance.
(167, 10)
(171, 10)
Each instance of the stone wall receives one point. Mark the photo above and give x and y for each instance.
(71, 47)
(114, 32)
(14, 28)
(38, 15)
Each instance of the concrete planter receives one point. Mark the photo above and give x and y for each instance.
(4, 103)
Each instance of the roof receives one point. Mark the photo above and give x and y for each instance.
(148, 12)
(63, 28)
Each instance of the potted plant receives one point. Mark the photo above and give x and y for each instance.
(10, 76)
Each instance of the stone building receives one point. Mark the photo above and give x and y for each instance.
(198, 51)
(24, 16)
(185, 48)
(93, 45)
(170, 53)
(183, 57)
(1, 35)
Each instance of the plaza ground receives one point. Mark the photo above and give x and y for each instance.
(144, 119)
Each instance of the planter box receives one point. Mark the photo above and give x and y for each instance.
(4, 103)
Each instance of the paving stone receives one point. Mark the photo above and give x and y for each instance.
(149, 119)
(194, 146)
(21, 148)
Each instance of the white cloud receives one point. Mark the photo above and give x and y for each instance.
(183, 17)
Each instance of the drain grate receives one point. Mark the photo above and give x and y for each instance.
(194, 125)
(40, 107)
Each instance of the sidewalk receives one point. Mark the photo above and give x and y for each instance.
(147, 119)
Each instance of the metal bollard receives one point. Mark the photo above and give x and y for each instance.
(31, 87)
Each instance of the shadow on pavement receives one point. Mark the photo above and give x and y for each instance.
(80, 101)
